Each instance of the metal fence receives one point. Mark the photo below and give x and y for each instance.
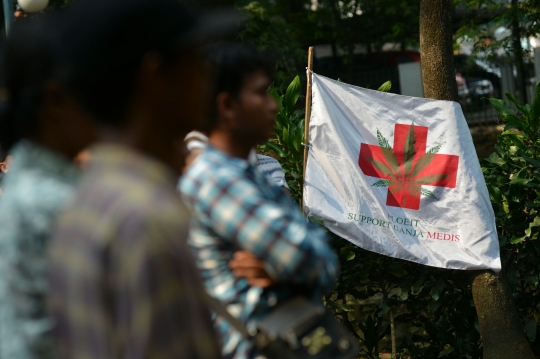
(477, 111)
(481, 113)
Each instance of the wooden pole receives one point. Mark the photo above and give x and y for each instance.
(307, 115)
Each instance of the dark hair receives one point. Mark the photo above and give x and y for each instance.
(231, 63)
(29, 65)
(103, 43)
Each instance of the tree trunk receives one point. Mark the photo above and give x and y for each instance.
(502, 334)
(518, 53)
(436, 49)
(500, 327)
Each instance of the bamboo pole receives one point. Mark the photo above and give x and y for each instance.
(308, 114)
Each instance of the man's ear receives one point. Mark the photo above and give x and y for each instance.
(226, 106)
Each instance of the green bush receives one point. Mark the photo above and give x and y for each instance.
(287, 146)
(512, 175)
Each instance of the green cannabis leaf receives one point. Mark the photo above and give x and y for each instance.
(407, 175)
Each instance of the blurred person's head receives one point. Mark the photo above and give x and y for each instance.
(136, 67)
(35, 105)
(243, 108)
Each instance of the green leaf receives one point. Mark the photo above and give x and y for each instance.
(382, 167)
(385, 87)
(347, 254)
(446, 352)
(422, 163)
(535, 163)
(285, 134)
(381, 183)
(517, 240)
(398, 272)
(409, 151)
(519, 181)
(384, 308)
(495, 193)
(387, 152)
(395, 187)
(520, 178)
(515, 138)
(318, 220)
(501, 106)
(510, 97)
(272, 91)
(292, 94)
(435, 149)
(391, 159)
(534, 223)
(383, 142)
(428, 193)
(430, 179)
(415, 189)
(534, 114)
(496, 160)
(433, 306)
(296, 138)
(506, 209)
(278, 151)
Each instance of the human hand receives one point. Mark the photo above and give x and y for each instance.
(246, 265)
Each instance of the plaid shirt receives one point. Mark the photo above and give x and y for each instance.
(123, 282)
(271, 168)
(39, 184)
(237, 208)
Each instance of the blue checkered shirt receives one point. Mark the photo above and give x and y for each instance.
(236, 208)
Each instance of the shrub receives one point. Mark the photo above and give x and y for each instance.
(512, 175)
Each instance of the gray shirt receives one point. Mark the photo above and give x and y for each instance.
(39, 184)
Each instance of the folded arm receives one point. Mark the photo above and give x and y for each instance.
(293, 250)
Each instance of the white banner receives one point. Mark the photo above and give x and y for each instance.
(399, 176)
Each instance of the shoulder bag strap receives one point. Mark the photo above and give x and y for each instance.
(220, 309)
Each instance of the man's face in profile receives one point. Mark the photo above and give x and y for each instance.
(256, 108)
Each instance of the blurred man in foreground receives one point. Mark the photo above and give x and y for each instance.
(253, 245)
(123, 282)
(44, 128)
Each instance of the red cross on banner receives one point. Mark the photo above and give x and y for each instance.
(406, 167)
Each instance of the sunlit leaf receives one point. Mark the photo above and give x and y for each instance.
(385, 87)
(292, 94)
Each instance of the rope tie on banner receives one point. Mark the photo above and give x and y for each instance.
(306, 145)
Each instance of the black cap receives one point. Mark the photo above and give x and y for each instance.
(102, 42)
